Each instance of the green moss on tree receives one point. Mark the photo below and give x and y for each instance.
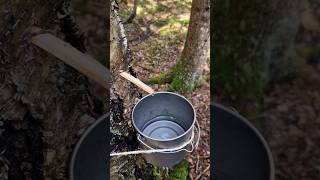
(163, 78)
(182, 77)
(179, 77)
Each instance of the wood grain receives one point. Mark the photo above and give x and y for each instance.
(73, 57)
(137, 82)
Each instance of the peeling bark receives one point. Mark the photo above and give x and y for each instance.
(44, 104)
(124, 95)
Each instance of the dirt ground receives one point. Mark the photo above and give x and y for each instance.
(291, 126)
(156, 37)
(291, 117)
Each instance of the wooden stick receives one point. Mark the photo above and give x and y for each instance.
(202, 173)
(71, 56)
(137, 82)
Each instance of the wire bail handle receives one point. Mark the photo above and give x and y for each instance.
(194, 145)
(192, 142)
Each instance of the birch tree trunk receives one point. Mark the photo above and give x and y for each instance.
(45, 105)
(123, 96)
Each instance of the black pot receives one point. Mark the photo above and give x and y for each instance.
(239, 150)
(89, 158)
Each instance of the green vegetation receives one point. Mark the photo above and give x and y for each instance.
(171, 25)
(163, 78)
(182, 80)
(178, 76)
(180, 171)
(156, 173)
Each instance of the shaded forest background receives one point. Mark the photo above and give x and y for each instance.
(266, 64)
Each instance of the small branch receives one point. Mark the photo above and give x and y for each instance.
(199, 176)
(134, 12)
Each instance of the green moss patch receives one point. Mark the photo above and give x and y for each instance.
(180, 171)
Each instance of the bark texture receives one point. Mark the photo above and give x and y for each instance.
(123, 96)
(253, 45)
(195, 53)
(44, 104)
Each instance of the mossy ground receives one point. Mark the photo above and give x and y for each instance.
(178, 172)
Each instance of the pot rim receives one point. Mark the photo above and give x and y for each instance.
(255, 130)
(162, 140)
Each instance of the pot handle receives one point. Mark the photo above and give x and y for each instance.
(137, 82)
(168, 150)
(194, 144)
(233, 109)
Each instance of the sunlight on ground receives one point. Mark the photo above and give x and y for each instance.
(165, 24)
(175, 26)
(168, 17)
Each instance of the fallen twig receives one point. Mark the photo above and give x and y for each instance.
(199, 176)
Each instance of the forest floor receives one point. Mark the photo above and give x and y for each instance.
(290, 124)
(156, 37)
(290, 119)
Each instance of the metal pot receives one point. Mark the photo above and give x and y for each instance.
(89, 160)
(240, 152)
(164, 120)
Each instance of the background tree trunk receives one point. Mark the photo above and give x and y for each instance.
(187, 72)
(44, 104)
(253, 46)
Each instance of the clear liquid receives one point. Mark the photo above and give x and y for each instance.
(163, 127)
